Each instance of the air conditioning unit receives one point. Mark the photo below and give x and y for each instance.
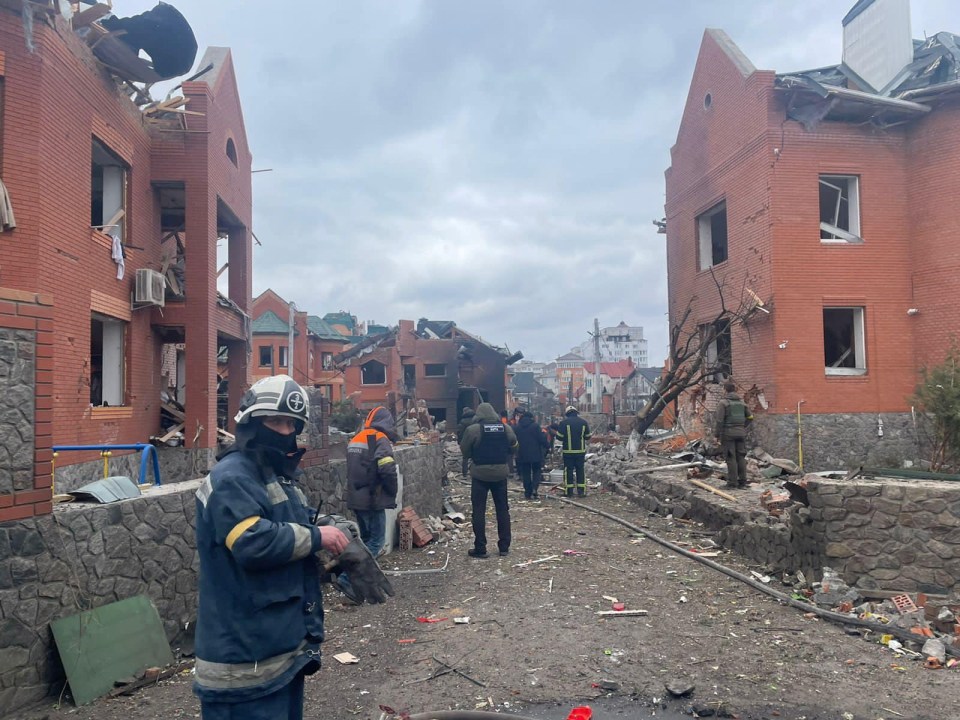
(150, 288)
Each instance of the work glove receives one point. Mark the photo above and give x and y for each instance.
(366, 577)
(367, 581)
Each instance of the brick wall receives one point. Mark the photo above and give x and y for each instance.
(57, 100)
(726, 151)
(26, 370)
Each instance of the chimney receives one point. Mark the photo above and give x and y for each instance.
(877, 43)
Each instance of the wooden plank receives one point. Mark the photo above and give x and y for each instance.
(711, 488)
(90, 15)
(170, 433)
(173, 410)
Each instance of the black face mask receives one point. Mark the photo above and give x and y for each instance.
(278, 452)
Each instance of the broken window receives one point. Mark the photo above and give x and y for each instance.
(843, 341)
(434, 370)
(327, 360)
(266, 356)
(108, 191)
(373, 372)
(719, 350)
(283, 356)
(107, 352)
(409, 377)
(840, 208)
(712, 235)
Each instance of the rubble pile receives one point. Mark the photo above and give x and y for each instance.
(932, 621)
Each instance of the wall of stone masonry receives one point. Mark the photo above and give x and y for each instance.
(176, 465)
(87, 555)
(17, 368)
(839, 441)
(890, 534)
(878, 534)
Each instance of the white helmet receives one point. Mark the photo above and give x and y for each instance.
(275, 395)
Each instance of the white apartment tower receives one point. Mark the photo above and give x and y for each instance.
(618, 343)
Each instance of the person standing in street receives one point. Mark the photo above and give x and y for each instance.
(573, 432)
(731, 420)
(372, 477)
(466, 420)
(532, 444)
(488, 443)
(260, 611)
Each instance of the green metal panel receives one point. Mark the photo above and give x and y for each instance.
(111, 642)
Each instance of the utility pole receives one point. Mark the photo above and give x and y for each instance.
(597, 386)
(292, 307)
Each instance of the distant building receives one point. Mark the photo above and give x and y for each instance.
(618, 343)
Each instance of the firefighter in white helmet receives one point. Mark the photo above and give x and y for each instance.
(260, 616)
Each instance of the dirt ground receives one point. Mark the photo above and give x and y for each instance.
(534, 645)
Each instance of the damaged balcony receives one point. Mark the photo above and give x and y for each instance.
(188, 295)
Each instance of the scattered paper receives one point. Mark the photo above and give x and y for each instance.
(346, 658)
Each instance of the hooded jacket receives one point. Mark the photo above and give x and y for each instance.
(476, 447)
(466, 421)
(260, 614)
(371, 468)
(531, 440)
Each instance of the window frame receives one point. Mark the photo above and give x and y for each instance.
(859, 343)
(428, 366)
(117, 385)
(718, 355)
(363, 373)
(283, 357)
(850, 235)
(269, 349)
(706, 252)
(124, 190)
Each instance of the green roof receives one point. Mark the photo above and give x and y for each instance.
(340, 318)
(319, 327)
(376, 329)
(269, 324)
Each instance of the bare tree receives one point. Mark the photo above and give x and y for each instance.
(690, 363)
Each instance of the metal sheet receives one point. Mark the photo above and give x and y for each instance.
(109, 643)
(108, 490)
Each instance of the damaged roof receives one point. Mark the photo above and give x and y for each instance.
(319, 327)
(837, 93)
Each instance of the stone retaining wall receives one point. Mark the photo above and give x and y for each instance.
(176, 465)
(839, 441)
(878, 534)
(890, 534)
(86, 555)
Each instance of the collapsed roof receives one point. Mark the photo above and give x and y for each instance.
(836, 92)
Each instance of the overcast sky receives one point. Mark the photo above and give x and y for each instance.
(493, 162)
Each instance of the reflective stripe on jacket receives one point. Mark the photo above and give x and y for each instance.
(260, 614)
(573, 432)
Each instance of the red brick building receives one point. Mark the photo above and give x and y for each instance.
(89, 173)
(435, 362)
(828, 195)
(315, 343)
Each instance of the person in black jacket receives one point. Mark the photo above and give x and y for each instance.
(488, 443)
(466, 420)
(573, 432)
(533, 443)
